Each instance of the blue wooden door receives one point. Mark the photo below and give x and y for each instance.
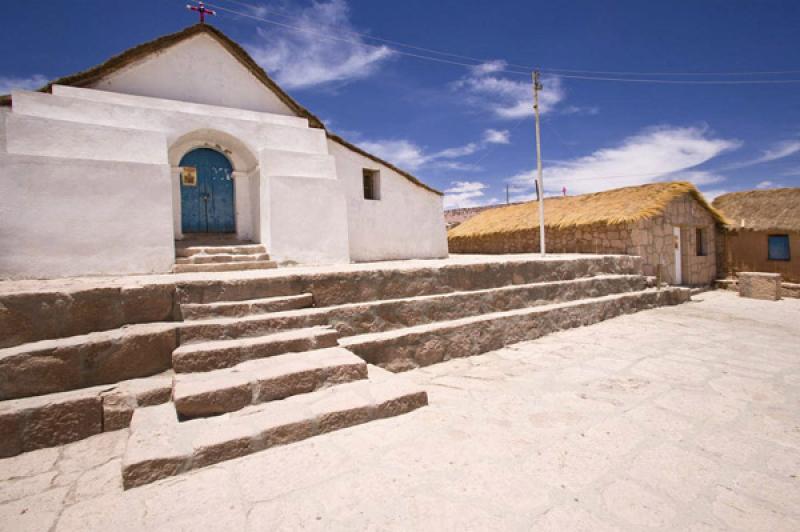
(207, 206)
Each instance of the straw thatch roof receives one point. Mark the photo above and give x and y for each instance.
(89, 77)
(618, 206)
(762, 210)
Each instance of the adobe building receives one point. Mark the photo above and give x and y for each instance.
(101, 172)
(668, 224)
(763, 234)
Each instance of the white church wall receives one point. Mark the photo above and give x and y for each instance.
(58, 138)
(305, 219)
(65, 217)
(196, 70)
(97, 96)
(406, 222)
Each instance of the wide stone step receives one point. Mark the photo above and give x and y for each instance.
(55, 419)
(244, 249)
(219, 354)
(382, 315)
(268, 379)
(161, 446)
(195, 311)
(225, 266)
(221, 257)
(106, 357)
(404, 349)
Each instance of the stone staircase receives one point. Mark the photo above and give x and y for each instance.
(250, 363)
(220, 256)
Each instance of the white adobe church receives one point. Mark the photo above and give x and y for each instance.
(102, 171)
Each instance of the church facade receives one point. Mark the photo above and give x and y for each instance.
(103, 171)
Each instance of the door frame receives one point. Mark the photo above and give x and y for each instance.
(233, 192)
(678, 246)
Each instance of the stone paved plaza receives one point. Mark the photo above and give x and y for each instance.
(679, 418)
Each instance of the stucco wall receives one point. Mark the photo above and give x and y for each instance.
(747, 251)
(116, 217)
(406, 222)
(196, 70)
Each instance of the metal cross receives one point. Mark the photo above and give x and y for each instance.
(202, 10)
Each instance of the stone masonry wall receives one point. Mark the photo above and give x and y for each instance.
(652, 239)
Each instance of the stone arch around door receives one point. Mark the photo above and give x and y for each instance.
(217, 148)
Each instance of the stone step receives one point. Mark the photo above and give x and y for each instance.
(422, 345)
(58, 418)
(194, 311)
(225, 266)
(161, 446)
(221, 257)
(106, 357)
(267, 379)
(219, 354)
(244, 249)
(382, 315)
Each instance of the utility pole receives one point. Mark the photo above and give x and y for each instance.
(537, 86)
(507, 195)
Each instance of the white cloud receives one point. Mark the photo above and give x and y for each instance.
(313, 56)
(407, 154)
(780, 150)
(496, 136)
(767, 184)
(10, 83)
(656, 154)
(466, 194)
(713, 193)
(507, 98)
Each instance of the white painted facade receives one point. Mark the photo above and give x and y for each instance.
(90, 182)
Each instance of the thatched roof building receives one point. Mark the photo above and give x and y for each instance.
(643, 220)
(763, 234)
(776, 209)
(611, 207)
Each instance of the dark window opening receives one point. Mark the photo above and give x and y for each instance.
(778, 248)
(371, 184)
(700, 242)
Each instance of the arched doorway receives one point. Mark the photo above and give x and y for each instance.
(207, 197)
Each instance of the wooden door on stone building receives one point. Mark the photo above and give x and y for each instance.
(206, 192)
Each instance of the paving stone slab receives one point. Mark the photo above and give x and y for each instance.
(404, 349)
(106, 357)
(257, 381)
(381, 315)
(161, 446)
(243, 308)
(225, 266)
(219, 354)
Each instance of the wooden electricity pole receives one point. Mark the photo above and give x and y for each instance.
(537, 86)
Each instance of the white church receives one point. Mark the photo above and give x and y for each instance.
(103, 171)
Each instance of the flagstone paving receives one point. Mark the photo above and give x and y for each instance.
(678, 418)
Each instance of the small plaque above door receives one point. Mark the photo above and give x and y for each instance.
(189, 176)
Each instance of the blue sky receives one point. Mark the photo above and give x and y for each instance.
(468, 130)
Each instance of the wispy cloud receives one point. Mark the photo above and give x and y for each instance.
(779, 150)
(467, 194)
(495, 136)
(298, 59)
(486, 86)
(408, 154)
(656, 154)
(10, 83)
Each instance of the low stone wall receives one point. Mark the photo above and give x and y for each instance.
(596, 239)
(760, 285)
(337, 288)
(791, 290)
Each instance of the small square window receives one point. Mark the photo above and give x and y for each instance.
(778, 247)
(372, 184)
(700, 242)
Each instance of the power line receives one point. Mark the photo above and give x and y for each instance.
(594, 75)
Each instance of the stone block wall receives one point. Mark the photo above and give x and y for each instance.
(760, 285)
(652, 239)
